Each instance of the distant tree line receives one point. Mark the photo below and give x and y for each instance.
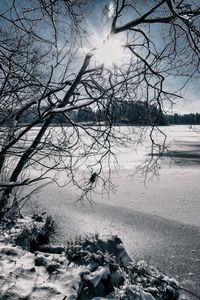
(130, 113)
(120, 113)
(136, 113)
(190, 119)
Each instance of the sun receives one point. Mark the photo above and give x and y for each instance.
(109, 52)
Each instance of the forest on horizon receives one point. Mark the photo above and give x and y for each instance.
(120, 113)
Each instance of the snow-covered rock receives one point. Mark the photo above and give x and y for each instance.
(88, 268)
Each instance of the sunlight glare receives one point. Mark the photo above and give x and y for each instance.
(109, 52)
(111, 9)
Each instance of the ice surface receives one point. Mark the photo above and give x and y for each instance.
(158, 222)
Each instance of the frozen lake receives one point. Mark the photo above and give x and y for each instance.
(158, 222)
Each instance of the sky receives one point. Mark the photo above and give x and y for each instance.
(190, 103)
(191, 99)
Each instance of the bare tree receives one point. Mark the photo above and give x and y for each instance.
(44, 72)
(164, 37)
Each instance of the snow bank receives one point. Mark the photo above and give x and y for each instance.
(88, 268)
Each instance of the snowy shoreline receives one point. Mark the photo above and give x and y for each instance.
(88, 268)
